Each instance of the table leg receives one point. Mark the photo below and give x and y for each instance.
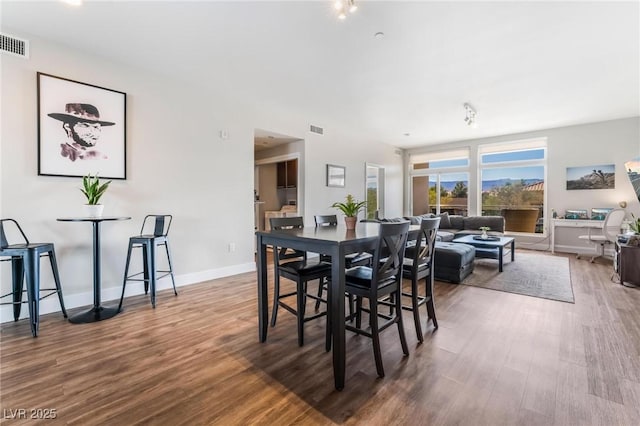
(263, 310)
(337, 316)
(97, 313)
(500, 255)
(513, 250)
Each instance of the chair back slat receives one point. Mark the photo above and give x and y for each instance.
(282, 223)
(4, 241)
(160, 223)
(326, 220)
(425, 243)
(391, 246)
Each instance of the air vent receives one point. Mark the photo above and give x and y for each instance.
(14, 46)
(316, 129)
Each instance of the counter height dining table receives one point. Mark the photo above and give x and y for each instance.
(98, 312)
(334, 241)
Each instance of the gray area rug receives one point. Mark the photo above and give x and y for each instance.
(532, 274)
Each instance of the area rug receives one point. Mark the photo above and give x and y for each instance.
(532, 274)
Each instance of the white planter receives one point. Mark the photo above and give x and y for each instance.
(93, 210)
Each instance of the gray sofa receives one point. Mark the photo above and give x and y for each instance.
(454, 261)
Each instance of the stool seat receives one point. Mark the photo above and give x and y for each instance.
(148, 242)
(25, 262)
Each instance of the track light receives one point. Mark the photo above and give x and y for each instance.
(470, 115)
(344, 6)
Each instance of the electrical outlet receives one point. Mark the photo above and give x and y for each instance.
(232, 247)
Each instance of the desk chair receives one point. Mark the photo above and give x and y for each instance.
(610, 231)
(295, 266)
(157, 228)
(382, 280)
(25, 261)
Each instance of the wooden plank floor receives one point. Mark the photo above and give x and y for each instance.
(497, 359)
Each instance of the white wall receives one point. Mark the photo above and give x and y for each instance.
(176, 164)
(609, 142)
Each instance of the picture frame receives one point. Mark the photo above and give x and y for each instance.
(600, 213)
(81, 129)
(336, 176)
(600, 176)
(575, 214)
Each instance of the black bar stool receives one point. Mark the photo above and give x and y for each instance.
(148, 243)
(25, 260)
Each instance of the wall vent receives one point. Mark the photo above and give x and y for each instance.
(316, 129)
(14, 46)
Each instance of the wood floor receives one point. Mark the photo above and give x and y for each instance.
(497, 359)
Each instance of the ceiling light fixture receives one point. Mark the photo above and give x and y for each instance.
(344, 6)
(73, 2)
(470, 115)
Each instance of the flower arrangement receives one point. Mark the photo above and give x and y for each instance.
(484, 229)
(635, 224)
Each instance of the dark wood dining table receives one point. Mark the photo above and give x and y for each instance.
(334, 241)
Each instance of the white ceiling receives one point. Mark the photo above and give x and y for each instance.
(522, 65)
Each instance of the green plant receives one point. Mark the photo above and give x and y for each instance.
(92, 188)
(635, 224)
(350, 207)
(484, 228)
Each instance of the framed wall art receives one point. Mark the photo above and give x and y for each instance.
(81, 129)
(336, 175)
(602, 176)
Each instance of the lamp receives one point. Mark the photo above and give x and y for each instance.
(344, 6)
(470, 117)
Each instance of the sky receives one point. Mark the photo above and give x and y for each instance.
(575, 173)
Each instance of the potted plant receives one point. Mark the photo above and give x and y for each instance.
(93, 190)
(635, 224)
(351, 207)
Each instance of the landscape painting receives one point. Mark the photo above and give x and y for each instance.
(592, 177)
(633, 171)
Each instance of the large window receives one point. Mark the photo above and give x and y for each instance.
(512, 184)
(440, 182)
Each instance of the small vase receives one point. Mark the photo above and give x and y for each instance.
(484, 235)
(93, 210)
(350, 221)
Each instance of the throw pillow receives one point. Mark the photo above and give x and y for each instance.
(445, 223)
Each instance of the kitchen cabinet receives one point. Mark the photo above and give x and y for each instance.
(287, 174)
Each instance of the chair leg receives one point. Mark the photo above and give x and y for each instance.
(56, 278)
(276, 297)
(375, 335)
(320, 288)
(430, 304)
(151, 261)
(301, 310)
(145, 268)
(327, 343)
(33, 287)
(358, 312)
(17, 276)
(415, 307)
(173, 280)
(400, 322)
(126, 272)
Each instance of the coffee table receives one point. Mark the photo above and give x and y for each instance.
(490, 249)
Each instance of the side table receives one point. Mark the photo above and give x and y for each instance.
(628, 258)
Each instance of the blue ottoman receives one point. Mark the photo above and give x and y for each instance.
(453, 261)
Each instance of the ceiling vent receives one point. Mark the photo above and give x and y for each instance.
(14, 46)
(316, 129)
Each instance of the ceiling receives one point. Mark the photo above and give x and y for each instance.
(521, 65)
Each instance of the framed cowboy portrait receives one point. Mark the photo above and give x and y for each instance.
(81, 129)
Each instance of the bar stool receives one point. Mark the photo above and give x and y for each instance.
(25, 260)
(148, 243)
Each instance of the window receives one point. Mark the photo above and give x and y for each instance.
(440, 182)
(374, 191)
(512, 184)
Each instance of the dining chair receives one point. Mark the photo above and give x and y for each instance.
(382, 279)
(25, 261)
(350, 260)
(154, 232)
(610, 230)
(295, 266)
(419, 264)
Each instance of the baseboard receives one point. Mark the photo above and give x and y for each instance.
(51, 304)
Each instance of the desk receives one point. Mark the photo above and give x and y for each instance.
(98, 312)
(572, 223)
(334, 241)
